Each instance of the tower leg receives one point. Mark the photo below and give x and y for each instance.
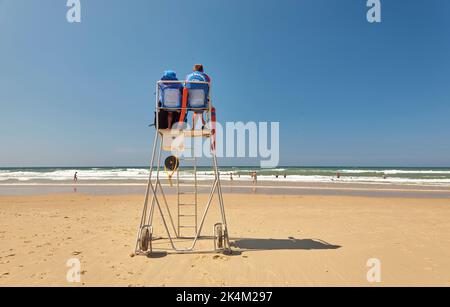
(147, 194)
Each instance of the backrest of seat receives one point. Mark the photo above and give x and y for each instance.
(170, 95)
(197, 98)
(198, 93)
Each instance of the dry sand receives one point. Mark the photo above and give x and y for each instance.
(279, 241)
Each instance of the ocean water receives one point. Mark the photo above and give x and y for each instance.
(387, 175)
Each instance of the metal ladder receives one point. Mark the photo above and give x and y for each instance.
(186, 206)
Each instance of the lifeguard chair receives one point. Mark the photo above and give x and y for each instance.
(181, 96)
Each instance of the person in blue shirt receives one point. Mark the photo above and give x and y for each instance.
(198, 70)
(171, 103)
(198, 74)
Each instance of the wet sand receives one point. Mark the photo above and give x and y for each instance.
(241, 187)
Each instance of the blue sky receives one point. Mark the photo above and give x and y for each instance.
(345, 92)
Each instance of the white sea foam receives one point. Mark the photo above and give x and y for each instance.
(438, 177)
(63, 175)
(394, 171)
(353, 179)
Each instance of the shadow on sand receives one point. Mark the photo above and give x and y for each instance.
(242, 245)
(282, 244)
(157, 254)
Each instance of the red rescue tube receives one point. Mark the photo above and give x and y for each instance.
(183, 106)
(213, 128)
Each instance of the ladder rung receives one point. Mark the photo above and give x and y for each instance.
(187, 226)
(186, 193)
(187, 215)
(181, 204)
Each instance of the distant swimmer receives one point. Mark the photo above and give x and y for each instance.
(384, 176)
(231, 176)
(255, 177)
(75, 177)
(255, 180)
(285, 175)
(338, 175)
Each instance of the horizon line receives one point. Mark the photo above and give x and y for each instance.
(247, 166)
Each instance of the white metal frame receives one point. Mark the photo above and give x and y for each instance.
(154, 186)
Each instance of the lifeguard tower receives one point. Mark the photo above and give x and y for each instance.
(183, 225)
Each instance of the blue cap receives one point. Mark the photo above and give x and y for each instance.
(169, 75)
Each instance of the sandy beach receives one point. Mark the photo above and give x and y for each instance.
(319, 130)
(278, 240)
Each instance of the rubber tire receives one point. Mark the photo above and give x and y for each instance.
(145, 240)
(219, 236)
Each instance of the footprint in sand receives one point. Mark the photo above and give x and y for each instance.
(215, 257)
(76, 253)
